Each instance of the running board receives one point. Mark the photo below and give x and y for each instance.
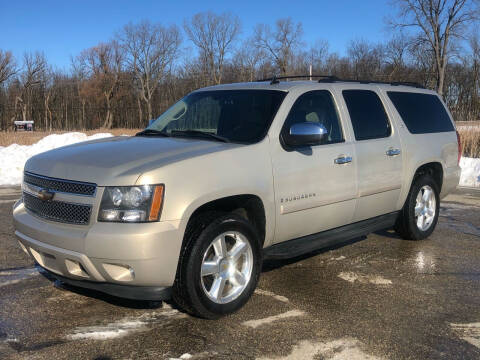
(309, 243)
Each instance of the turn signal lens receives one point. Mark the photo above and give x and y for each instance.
(157, 202)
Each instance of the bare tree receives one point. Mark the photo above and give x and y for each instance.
(150, 51)
(247, 60)
(281, 43)
(103, 63)
(439, 22)
(396, 52)
(34, 66)
(8, 67)
(367, 59)
(214, 36)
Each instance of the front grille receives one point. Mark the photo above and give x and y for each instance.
(60, 185)
(58, 210)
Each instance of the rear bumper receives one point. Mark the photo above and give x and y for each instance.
(451, 178)
(112, 256)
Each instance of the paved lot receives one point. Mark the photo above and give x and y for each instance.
(376, 298)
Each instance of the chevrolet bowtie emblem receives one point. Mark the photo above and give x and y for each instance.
(45, 195)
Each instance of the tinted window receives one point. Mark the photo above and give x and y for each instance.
(421, 113)
(239, 115)
(369, 119)
(317, 107)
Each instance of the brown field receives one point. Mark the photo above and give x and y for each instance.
(29, 137)
(470, 142)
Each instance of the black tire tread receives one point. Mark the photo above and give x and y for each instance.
(403, 225)
(195, 227)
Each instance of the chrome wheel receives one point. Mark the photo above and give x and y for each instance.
(226, 267)
(425, 208)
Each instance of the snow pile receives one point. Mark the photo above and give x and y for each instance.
(13, 157)
(470, 172)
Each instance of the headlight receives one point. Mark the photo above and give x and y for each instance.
(131, 203)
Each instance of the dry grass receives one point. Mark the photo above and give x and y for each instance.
(29, 137)
(470, 140)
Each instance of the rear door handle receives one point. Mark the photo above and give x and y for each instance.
(343, 160)
(393, 152)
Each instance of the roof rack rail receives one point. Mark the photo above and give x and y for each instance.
(276, 79)
(331, 79)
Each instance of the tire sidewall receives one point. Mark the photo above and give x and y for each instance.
(419, 183)
(194, 263)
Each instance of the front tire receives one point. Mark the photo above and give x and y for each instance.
(419, 215)
(219, 266)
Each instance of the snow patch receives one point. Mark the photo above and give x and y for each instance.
(10, 277)
(269, 293)
(124, 326)
(13, 157)
(364, 279)
(259, 322)
(470, 175)
(338, 258)
(342, 349)
(184, 356)
(468, 332)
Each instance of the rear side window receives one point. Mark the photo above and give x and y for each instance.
(369, 119)
(421, 113)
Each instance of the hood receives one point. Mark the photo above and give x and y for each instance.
(118, 160)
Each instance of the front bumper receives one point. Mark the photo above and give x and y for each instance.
(108, 256)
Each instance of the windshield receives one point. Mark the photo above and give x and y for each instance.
(242, 116)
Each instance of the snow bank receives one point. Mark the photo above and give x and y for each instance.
(13, 157)
(470, 172)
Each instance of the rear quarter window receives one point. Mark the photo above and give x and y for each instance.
(421, 113)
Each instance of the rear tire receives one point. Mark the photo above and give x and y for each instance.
(419, 216)
(219, 265)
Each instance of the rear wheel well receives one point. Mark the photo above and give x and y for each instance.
(434, 169)
(250, 207)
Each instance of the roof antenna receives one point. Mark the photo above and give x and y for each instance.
(274, 80)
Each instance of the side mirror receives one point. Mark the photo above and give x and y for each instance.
(305, 134)
(151, 121)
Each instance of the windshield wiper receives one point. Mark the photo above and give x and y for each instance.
(199, 133)
(152, 132)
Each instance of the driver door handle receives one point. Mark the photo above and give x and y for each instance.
(343, 160)
(393, 152)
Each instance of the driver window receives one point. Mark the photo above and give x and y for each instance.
(318, 107)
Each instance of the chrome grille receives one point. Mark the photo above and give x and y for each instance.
(60, 185)
(58, 210)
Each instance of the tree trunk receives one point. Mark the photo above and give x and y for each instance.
(140, 112)
(149, 109)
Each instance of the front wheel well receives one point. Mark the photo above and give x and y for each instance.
(434, 169)
(247, 206)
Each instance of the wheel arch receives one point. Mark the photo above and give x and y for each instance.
(248, 206)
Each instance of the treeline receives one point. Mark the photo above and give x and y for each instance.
(145, 67)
